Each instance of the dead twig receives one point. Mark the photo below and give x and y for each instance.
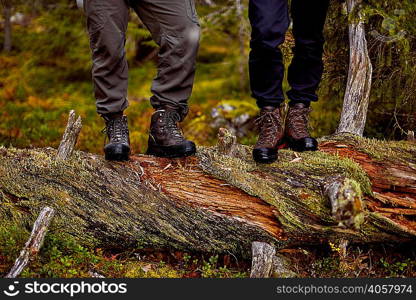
(70, 137)
(34, 242)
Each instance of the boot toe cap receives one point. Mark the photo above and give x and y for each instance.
(117, 152)
(310, 144)
(186, 148)
(304, 144)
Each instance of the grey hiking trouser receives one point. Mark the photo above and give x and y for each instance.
(174, 27)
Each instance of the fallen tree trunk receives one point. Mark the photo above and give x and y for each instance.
(354, 189)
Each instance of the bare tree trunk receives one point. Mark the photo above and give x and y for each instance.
(7, 14)
(357, 94)
(241, 40)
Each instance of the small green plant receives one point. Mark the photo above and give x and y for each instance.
(210, 269)
(398, 268)
(186, 259)
(12, 239)
(327, 267)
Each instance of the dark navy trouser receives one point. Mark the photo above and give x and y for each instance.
(270, 21)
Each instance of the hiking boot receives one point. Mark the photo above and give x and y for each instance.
(297, 132)
(165, 138)
(118, 147)
(271, 135)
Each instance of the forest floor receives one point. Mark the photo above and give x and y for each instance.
(62, 257)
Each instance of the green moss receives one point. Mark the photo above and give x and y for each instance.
(379, 150)
(294, 184)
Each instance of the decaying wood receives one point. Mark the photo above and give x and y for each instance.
(34, 242)
(282, 267)
(226, 142)
(342, 245)
(357, 93)
(70, 137)
(411, 136)
(266, 262)
(346, 201)
(219, 203)
(262, 260)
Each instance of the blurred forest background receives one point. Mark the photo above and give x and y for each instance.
(45, 72)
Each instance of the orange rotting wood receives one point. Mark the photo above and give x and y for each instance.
(394, 188)
(393, 184)
(183, 180)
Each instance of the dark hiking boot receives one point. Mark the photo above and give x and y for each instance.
(297, 133)
(270, 137)
(118, 147)
(165, 138)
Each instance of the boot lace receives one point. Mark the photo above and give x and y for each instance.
(268, 122)
(117, 130)
(170, 120)
(299, 120)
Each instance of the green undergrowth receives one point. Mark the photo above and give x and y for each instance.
(63, 257)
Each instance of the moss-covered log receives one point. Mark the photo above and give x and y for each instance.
(215, 202)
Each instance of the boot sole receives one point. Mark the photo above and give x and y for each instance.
(171, 151)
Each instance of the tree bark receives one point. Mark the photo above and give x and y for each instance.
(217, 202)
(7, 14)
(241, 42)
(357, 93)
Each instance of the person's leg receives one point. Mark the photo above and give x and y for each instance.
(107, 23)
(175, 28)
(269, 21)
(305, 71)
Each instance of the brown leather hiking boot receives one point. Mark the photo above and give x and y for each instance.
(297, 132)
(271, 134)
(165, 138)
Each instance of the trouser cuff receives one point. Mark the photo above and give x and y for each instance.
(181, 107)
(274, 103)
(295, 96)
